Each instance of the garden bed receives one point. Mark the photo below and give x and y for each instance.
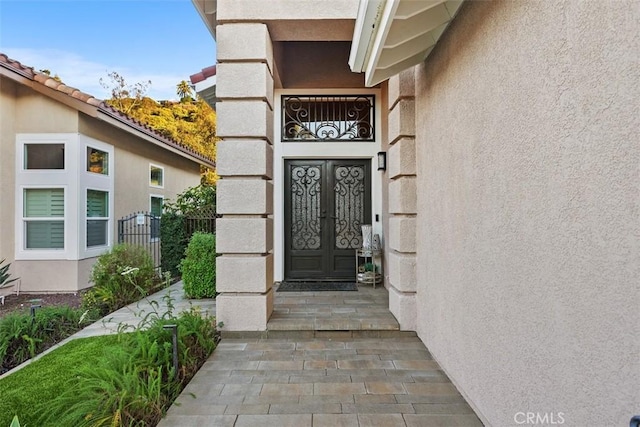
(119, 380)
(23, 302)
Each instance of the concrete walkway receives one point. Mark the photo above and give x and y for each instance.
(132, 315)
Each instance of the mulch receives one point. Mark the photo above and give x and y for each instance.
(23, 302)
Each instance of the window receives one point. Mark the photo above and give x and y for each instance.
(97, 161)
(44, 218)
(43, 156)
(97, 218)
(156, 210)
(156, 176)
(328, 118)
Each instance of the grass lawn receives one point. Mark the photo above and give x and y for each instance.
(24, 391)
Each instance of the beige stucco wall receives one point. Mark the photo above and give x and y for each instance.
(7, 168)
(26, 111)
(528, 118)
(42, 276)
(131, 168)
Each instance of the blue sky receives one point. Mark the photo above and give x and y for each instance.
(164, 41)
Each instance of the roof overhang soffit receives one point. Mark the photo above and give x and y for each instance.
(393, 35)
(207, 9)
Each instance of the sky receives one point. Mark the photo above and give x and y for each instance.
(81, 41)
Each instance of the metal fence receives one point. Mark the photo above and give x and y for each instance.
(141, 229)
(204, 220)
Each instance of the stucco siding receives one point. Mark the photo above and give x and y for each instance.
(36, 113)
(7, 169)
(527, 120)
(131, 168)
(53, 275)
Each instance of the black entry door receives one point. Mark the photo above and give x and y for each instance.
(326, 202)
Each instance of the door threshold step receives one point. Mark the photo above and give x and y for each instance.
(309, 334)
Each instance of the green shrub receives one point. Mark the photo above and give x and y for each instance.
(174, 229)
(174, 240)
(199, 266)
(192, 200)
(121, 276)
(23, 336)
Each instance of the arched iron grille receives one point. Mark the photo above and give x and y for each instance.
(328, 118)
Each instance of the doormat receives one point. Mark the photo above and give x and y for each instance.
(316, 286)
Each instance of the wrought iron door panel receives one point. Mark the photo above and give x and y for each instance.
(326, 201)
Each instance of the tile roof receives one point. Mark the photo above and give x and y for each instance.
(101, 106)
(203, 75)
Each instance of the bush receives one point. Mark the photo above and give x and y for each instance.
(121, 276)
(173, 224)
(23, 336)
(199, 266)
(192, 200)
(174, 240)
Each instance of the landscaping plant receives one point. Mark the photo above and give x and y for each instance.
(136, 384)
(4, 275)
(177, 224)
(199, 266)
(22, 336)
(121, 276)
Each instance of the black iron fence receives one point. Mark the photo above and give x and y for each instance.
(141, 229)
(203, 220)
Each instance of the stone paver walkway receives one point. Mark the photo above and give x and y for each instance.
(320, 382)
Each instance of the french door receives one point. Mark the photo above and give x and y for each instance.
(326, 202)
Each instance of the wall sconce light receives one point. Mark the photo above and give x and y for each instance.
(382, 161)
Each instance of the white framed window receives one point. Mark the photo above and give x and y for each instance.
(97, 161)
(96, 194)
(155, 207)
(43, 218)
(97, 218)
(43, 155)
(156, 176)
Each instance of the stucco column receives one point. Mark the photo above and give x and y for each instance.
(245, 166)
(402, 200)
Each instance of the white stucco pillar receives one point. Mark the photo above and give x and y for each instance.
(245, 166)
(402, 200)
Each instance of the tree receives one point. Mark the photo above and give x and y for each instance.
(184, 91)
(191, 122)
(124, 97)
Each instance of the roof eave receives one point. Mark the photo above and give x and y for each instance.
(363, 32)
(379, 58)
(207, 9)
(116, 120)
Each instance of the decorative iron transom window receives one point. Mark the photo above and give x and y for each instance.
(328, 118)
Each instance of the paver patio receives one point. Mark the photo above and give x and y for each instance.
(328, 359)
